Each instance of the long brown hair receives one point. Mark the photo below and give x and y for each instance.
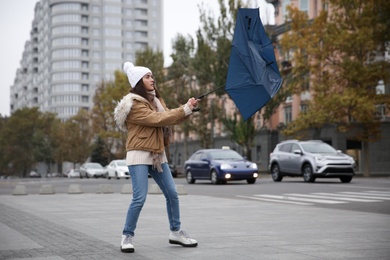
(140, 89)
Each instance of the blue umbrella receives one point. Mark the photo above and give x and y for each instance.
(253, 76)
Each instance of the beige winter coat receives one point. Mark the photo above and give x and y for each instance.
(143, 123)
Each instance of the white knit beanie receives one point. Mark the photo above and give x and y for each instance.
(135, 73)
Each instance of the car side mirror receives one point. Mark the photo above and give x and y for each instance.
(339, 151)
(297, 151)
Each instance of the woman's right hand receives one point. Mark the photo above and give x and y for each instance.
(192, 102)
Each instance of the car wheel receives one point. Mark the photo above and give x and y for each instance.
(214, 177)
(308, 173)
(346, 179)
(189, 178)
(251, 181)
(275, 173)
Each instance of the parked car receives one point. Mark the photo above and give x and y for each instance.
(117, 169)
(310, 160)
(93, 169)
(34, 174)
(219, 166)
(173, 169)
(73, 173)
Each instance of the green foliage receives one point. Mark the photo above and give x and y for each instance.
(98, 152)
(25, 139)
(242, 132)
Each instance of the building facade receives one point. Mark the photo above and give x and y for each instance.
(75, 45)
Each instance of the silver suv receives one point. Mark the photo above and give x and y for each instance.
(310, 159)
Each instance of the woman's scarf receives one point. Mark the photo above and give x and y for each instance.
(158, 157)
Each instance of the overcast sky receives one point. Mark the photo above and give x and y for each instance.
(180, 16)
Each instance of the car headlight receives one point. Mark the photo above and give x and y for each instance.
(225, 166)
(253, 166)
(320, 158)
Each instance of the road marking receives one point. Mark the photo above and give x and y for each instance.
(273, 200)
(353, 196)
(365, 195)
(300, 199)
(332, 197)
(379, 193)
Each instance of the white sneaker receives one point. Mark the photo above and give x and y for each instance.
(127, 244)
(182, 238)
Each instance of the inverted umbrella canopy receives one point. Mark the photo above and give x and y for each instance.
(253, 76)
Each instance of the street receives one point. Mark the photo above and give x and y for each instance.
(265, 220)
(362, 194)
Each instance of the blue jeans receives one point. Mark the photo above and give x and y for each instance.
(139, 178)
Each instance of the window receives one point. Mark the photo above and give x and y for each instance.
(285, 148)
(65, 18)
(303, 108)
(112, 9)
(84, 30)
(85, 88)
(66, 41)
(287, 115)
(84, 7)
(113, 32)
(295, 147)
(96, 43)
(141, 34)
(95, 9)
(84, 76)
(66, 30)
(96, 20)
(113, 43)
(113, 20)
(304, 6)
(84, 18)
(285, 3)
(68, 64)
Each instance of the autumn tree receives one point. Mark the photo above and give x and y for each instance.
(339, 54)
(75, 138)
(107, 96)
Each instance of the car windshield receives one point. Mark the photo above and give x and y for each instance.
(225, 155)
(318, 148)
(121, 163)
(94, 166)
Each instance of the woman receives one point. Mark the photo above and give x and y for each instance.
(145, 117)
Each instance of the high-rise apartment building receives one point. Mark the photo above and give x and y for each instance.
(75, 45)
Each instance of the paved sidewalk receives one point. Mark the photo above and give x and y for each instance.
(89, 226)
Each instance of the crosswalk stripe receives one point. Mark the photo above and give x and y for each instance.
(379, 193)
(333, 198)
(273, 200)
(300, 199)
(373, 196)
(352, 196)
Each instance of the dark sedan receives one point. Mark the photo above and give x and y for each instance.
(219, 166)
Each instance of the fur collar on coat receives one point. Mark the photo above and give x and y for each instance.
(123, 109)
